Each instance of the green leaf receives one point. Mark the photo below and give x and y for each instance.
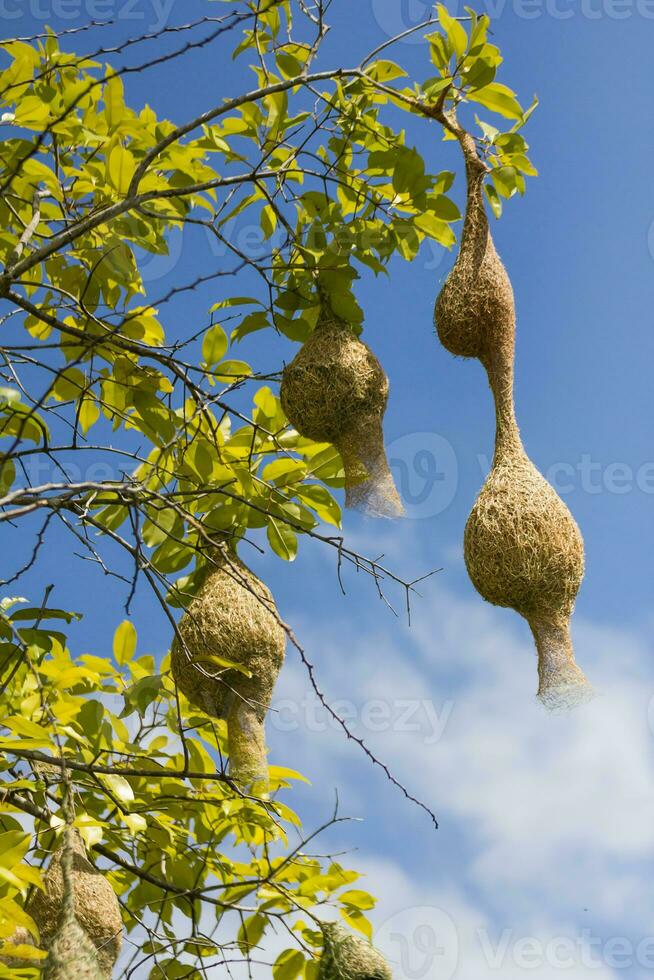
(440, 51)
(504, 179)
(357, 920)
(223, 662)
(114, 100)
(479, 75)
(229, 370)
(214, 345)
(251, 932)
(320, 500)
(14, 845)
(141, 694)
(288, 64)
(357, 898)
(141, 324)
(282, 539)
(120, 169)
(498, 98)
(89, 413)
(124, 642)
(119, 787)
(7, 474)
(249, 324)
(385, 71)
(288, 965)
(234, 301)
(524, 164)
(265, 400)
(283, 472)
(455, 31)
(409, 172)
(268, 220)
(494, 200)
(436, 228)
(136, 822)
(479, 29)
(20, 421)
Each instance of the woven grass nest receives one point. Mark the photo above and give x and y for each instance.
(522, 546)
(93, 930)
(335, 390)
(72, 955)
(232, 618)
(524, 550)
(349, 957)
(475, 309)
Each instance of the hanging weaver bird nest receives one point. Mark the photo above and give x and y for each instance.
(349, 957)
(95, 913)
(522, 546)
(335, 390)
(232, 620)
(524, 550)
(475, 309)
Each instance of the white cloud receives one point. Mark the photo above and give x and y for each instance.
(435, 933)
(552, 814)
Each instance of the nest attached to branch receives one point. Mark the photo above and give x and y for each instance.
(232, 620)
(522, 546)
(475, 309)
(335, 390)
(94, 926)
(349, 957)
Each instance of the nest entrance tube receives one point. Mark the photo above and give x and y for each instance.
(335, 390)
(246, 744)
(369, 484)
(72, 955)
(562, 684)
(522, 547)
(227, 658)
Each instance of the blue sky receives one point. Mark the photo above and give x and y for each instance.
(547, 822)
